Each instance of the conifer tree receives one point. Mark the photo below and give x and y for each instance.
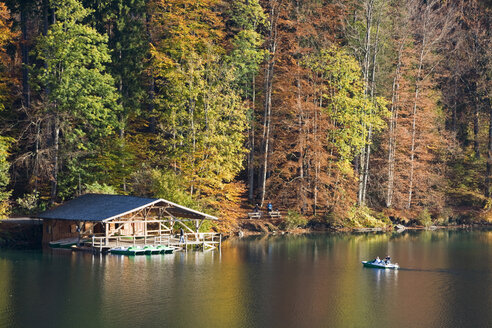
(6, 83)
(247, 18)
(124, 24)
(77, 94)
(4, 175)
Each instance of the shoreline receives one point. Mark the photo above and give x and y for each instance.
(298, 231)
(24, 233)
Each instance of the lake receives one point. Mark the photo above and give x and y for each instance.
(313, 280)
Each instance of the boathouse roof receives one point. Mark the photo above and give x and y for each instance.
(100, 207)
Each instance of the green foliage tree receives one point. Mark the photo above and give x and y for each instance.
(6, 36)
(201, 116)
(350, 110)
(77, 92)
(4, 175)
(247, 18)
(124, 24)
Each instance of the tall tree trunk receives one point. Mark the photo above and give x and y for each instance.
(369, 136)
(476, 127)
(317, 160)
(414, 122)
(489, 154)
(301, 147)
(300, 113)
(392, 129)
(251, 157)
(455, 105)
(36, 155)
(56, 157)
(26, 91)
(365, 68)
(268, 98)
(151, 86)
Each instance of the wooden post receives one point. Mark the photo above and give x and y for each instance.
(106, 233)
(220, 241)
(145, 229)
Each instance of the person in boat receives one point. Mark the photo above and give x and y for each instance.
(270, 207)
(376, 260)
(387, 260)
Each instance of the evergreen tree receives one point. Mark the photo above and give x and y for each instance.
(77, 94)
(6, 83)
(124, 24)
(4, 175)
(247, 18)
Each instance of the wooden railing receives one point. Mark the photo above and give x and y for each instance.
(205, 238)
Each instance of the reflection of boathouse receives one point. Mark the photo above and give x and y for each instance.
(105, 221)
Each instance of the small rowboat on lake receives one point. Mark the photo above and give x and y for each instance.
(380, 265)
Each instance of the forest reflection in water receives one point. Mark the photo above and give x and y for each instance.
(290, 281)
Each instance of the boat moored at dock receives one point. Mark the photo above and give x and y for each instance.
(146, 250)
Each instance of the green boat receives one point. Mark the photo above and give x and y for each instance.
(153, 250)
(64, 243)
(150, 250)
(165, 249)
(133, 250)
(380, 265)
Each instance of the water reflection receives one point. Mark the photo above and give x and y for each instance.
(288, 281)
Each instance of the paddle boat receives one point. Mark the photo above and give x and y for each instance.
(149, 249)
(165, 249)
(132, 250)
(378, 264)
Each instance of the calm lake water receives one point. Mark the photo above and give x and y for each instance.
(285, 281)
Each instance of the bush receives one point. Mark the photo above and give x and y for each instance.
(294, 220)
(163, 184)
(4, 176)
(28, 203)
(96, 188)
(424, 218)
(445, 217)
(364, 217)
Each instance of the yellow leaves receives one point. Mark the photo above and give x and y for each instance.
(181, 27)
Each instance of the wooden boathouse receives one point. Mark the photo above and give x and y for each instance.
(102, 222)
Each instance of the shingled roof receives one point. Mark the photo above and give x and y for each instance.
(99, 207)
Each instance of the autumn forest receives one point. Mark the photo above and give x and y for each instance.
(343, 112)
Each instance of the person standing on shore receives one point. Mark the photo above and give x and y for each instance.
(181, 235)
